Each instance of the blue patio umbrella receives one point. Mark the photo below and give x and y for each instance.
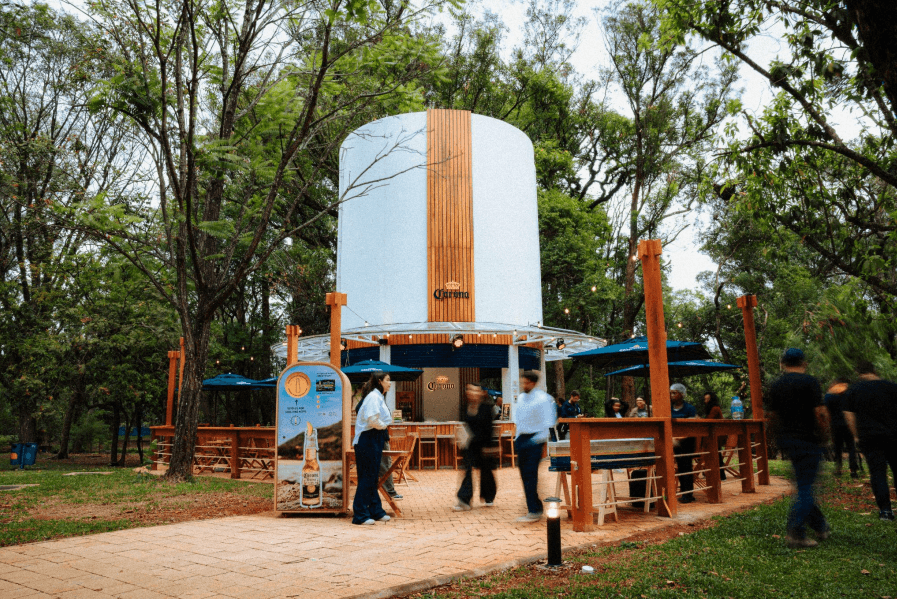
(359, 373)
(635, 353)
(677, 369)
(229, 382)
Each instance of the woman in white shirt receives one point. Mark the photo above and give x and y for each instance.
(371, 434)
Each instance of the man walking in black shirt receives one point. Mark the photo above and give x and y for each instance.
(870, 409)
(799, 420)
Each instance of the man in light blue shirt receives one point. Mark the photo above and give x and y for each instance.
(534, 416)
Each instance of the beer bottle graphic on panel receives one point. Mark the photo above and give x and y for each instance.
(311, 470)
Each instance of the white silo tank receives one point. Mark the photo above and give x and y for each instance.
(484, 194)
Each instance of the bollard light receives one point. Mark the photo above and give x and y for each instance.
(552, 510)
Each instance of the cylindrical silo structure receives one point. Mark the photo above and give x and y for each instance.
(439, 222)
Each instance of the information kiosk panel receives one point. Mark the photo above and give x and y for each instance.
(313, 403)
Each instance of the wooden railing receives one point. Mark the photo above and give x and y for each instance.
(237, 450)
(751, 451)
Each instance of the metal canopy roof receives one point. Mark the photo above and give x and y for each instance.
(316, 348)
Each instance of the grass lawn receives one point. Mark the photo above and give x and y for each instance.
(63, 506)
(741, 556)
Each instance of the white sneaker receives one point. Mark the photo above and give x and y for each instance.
(530, 517)
(385, 518)
(489, 503)
(369, 522)
(461, 506)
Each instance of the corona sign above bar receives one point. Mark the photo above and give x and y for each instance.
(447, 224)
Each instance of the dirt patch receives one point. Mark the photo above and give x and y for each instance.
(158, 510)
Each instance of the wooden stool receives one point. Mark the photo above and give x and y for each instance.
(607, 496)
(427, 438)
(507, 436)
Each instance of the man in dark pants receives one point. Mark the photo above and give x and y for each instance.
(841, 435)
(684, 463)
(799, 421)
(535, 414)
(870, 409)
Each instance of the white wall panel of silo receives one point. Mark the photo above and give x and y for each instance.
(506, 224)
(382, 237)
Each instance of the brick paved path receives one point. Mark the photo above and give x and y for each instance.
(265, 556)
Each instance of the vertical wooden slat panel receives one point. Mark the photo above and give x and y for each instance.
(449, 215)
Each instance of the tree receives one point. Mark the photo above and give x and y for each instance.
(52, 153)
(234, 102)
(820, 159)
(675, 105)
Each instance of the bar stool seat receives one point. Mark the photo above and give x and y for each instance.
(506, 439)
(427, 439)
(450, 438)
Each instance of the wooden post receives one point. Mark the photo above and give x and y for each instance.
(293, 332)
(173, 357)
(747, 303)
(711, 462)
(235, 454)
(336, 300)
(649, 252)
(581, 476)
(746, 468)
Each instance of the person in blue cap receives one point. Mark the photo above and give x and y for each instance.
(799, 422)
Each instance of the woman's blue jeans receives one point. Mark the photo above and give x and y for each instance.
(368, 453)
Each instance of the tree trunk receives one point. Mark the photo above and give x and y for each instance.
(27, 423)
(123, 460)
(67, 427)
(196, 350)
(69, 418)
(116, 422)
(629, 303)
(560, 384)
(139, 424)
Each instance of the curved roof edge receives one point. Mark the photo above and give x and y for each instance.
(317, 347)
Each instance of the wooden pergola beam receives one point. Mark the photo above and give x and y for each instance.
(649, 252)
(336, 301)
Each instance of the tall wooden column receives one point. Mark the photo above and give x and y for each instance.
(293, 332)
(649, 252)
(747, 303)
(336, 301)
(173, 357)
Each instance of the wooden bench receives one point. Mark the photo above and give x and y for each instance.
(608, 455)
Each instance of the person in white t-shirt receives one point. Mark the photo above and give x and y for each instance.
(535, 415)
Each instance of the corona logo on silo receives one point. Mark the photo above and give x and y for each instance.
(452, 290)
(440, 383)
